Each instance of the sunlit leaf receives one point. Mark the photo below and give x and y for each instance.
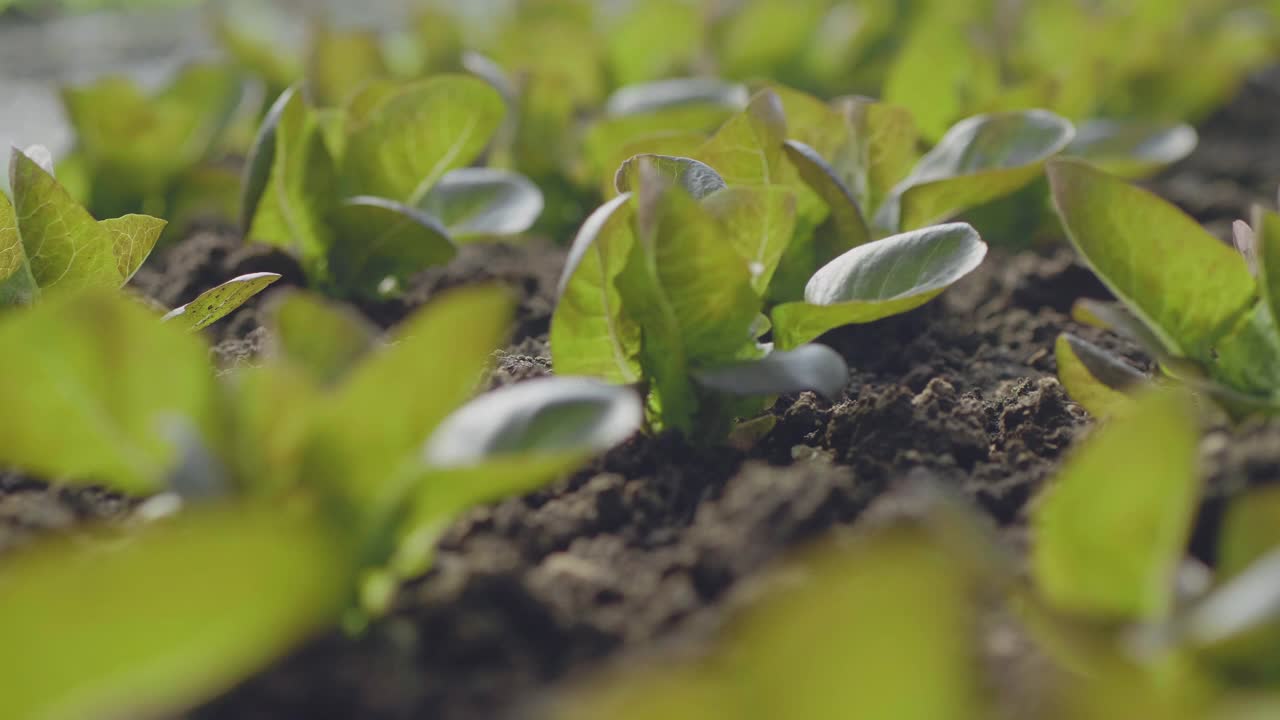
(1132, 148)
(132, 238)
(217, 302)
(697, 178)
(760, 222)
(17, 285)
(484, 202)
(747, 149)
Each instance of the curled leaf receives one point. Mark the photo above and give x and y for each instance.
(697, 178)
(484, 202)
(809, 367)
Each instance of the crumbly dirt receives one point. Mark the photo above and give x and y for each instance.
(650, 544)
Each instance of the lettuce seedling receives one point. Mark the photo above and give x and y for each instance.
(1188, 299)
(134, 151)
(50, 244)
(370, 195)
(320, 467)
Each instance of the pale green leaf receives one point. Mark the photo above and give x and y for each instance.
(217, 302)
(697, 178)
(591, 333)
(880, 152)
(1093, 378)
(1132, 148)
(132, 239)
(816, 368)
(1111, 528)
(96, 408)
(483, 203)
(414, 138)
(17, 285)
(168, 617)
(1178, 279)
(747, 149)
(880, 279)
(322, 338)
(382, 240)
(759, 222)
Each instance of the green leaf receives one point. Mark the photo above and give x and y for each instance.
(654, 39)
(670, 143)
(604, 142)
(1249, 530)
(759, 221)
(381, 240)
(322, 338)
(341, 62)
(413, 139)
(1178, 279)
(1093, 377)
(879, 279)
(823, 179)
(747, 149)
(287, 210)
(676, 93)
(761, 36)
(546, 415)
(484, 202)
(65, 247)
(99, 384)
(403, 391)
(1110, 530)
(1132, 148)
(1117, 318)
(17, 285)
(880, 152)
(809, 367)
(591, 332)
(132, 239)
(980, 159)
(271, 413)
(217, 302)
(173, 615)
(697, 178)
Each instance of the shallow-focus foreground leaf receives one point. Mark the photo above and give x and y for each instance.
(65, 247)
(812, 367)
(17, 284)
(286, 209)
(165, 618)
(591, 334)
(411, 141)
(97, 380)
(979, 159)
(1094, 378)
(697, 178)
(883, 628)
(318, 336)
(759, 221)
(1132, 148)
(215, 303)
(484, 202)
(382, 243)
(1186, 286)
(879, 279)
(1112, 527)
(402, 391)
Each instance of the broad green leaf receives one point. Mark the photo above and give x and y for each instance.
(484, 202)
(271, 414)
(300, 184)
(759, 221)
(1093, 377)
(340, 62)
(218, 302)
(980, 159)
(100, 385)
(132, 239)
(879, 279)
(1112, 527)
(401, 392)
(559, 414)
(66, 249)
(17, 285)
(1132, 148)
(761, 36)
(670, 143)
(747, 149)
(676, 93)
(603, 142)
(413, 139)
(697, 178)
(698, 286)
(320, 337)
(880, 152)
(654, 39)
(170, 616)
(809, 367)
(1178, 279)
(823, 179)
(380, 239)
(591, 333)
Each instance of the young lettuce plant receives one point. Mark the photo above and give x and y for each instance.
(370, 195)
(50, 244)
(134, 152)
(1196, 305)
(315, 482)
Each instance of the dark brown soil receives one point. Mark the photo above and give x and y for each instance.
(648, 545)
